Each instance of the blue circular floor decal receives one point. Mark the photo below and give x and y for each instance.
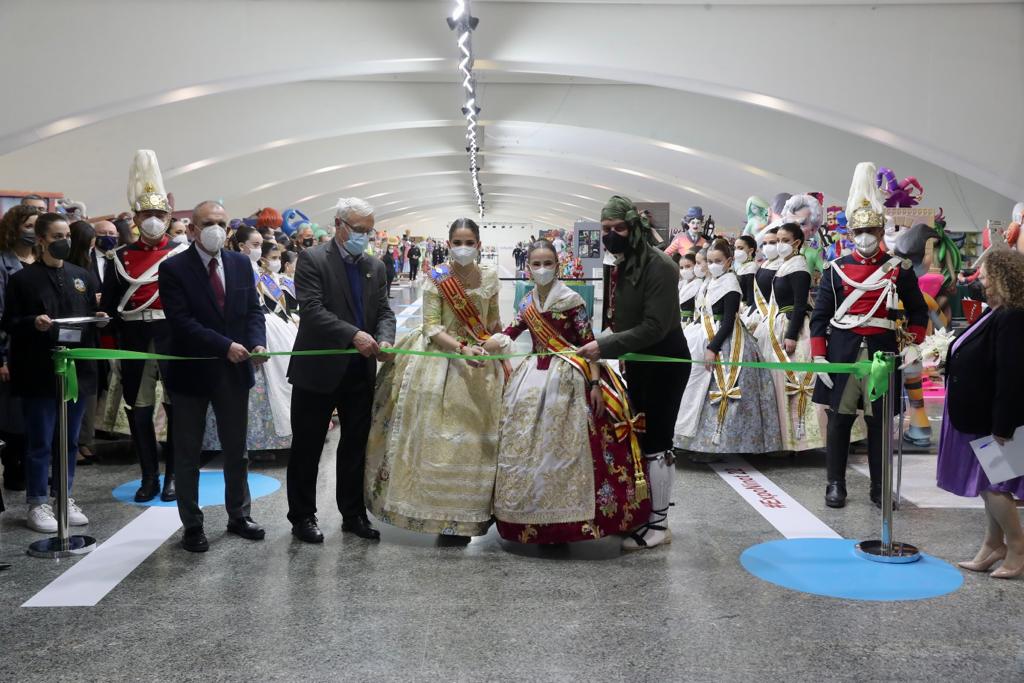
(211, 489)
(831, 567)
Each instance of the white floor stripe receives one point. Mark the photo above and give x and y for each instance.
(99, 572)
(919, 484)
(789, 517)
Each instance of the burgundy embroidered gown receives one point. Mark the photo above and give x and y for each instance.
(562, 476)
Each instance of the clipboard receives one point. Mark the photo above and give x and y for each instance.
(1001, 463)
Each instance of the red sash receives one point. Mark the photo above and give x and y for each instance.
(616, 403)
(465, 310)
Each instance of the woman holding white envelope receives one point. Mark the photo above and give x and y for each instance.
(984, 373)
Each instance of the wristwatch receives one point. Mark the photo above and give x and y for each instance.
(591, 383)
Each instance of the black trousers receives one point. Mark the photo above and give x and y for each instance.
(414, 267)
(230, 402)
(136, 336)
(656, 389)
(311, 413)
(837, 444)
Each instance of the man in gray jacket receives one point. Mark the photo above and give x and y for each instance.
(343, 296)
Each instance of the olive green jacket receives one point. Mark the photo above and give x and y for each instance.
(646, 313)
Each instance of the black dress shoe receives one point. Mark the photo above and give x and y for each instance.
(148, 491)
(194, 540)
(169, 493)
(835, 494)
(246, 528)
(876, 498)
(307, 530)
(360, 526)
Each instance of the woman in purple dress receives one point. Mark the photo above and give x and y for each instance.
(984, 373)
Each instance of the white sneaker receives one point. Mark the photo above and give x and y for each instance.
(75, 515)
(40, 518)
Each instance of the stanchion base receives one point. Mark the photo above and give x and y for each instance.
(52, 547)
(901, 553)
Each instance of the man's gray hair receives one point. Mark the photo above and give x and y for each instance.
(207, 202)
(348, 207)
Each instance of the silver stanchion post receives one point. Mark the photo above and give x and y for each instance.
(887, 549)
(63, 544)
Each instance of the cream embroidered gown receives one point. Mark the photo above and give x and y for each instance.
(433, 447)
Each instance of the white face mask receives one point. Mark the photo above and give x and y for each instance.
(867, 244)
(543, 276)
(716, 269)
(686, 274)
(179, 239)
(153, 227)
(255, 253)
(464, 255)
(771, 251)
(212, 238)
(740, 257)
(700, 271)
(785, 250)
(274, 266)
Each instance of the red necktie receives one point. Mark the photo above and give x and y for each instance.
(216, 284)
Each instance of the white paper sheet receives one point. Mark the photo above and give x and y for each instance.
(1001, 462)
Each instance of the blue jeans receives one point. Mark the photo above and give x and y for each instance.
(40, 425)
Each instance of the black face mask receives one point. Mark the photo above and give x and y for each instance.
(615, 243)
(60, 249)
(28, 237)
(308, 242)
(106, 242)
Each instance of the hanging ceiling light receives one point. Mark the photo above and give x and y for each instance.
(463, 23)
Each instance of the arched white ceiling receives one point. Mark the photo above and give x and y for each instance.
(274, 103)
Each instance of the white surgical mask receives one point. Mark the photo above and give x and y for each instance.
(740, 257)
(867, 244)
(274, 266)
(464, 255)
(543, 276)
(212, 238)
(153, 227)
(179, 239)
(785, 250)
(254, 254)
(700, 271)
(686, 274)
(771, 251)
(716, 269)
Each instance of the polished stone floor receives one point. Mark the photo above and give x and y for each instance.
(410, 609)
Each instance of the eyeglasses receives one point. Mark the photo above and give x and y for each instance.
(356, 228)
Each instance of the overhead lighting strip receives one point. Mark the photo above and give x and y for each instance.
(463, 23)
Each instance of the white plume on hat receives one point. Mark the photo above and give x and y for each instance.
(864, 191)
(144, 177)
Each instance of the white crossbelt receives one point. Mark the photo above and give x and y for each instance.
(150, 276)
(844, 320)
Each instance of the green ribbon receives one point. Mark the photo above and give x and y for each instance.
(877, 370)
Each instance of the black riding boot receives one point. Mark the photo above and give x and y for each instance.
(837, 451)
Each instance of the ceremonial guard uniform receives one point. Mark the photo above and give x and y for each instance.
(131, 297)
(855, 315)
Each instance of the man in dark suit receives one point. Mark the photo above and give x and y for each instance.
(210, 301)
(343, 296)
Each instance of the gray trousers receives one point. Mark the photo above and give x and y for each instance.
(230, 404)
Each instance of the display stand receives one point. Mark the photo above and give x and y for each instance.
(887, 549)
(63, 544)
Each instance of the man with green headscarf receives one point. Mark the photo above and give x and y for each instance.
(643, 304)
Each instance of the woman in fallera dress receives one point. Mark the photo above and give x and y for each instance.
(563, 474)
(433, 446)
(689, 288)
(762, 293)
(744, 257)
(784, 337)
(726, 409)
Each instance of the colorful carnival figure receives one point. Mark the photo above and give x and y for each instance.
(805, 210)
(898, 193)
(776, 208)
(785, 338)
(855, 315)
(758, 216)
(270, 425)
(693, 232)
(569, 469)
(643, 304)
(726, 408)
(293, 220)
(131, 297)
(433, 449)
(840, 244)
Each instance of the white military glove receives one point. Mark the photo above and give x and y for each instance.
(823, 376)
(911, 356)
